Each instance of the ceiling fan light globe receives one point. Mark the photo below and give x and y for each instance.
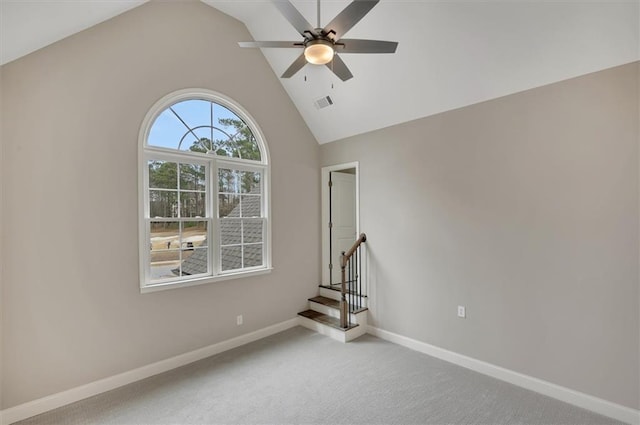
(318, 53)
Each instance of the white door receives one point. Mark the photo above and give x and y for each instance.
(343, 219)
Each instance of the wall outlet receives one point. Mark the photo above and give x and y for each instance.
(462, 311)
(239, 320)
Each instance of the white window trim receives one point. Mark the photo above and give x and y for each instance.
(213, 163)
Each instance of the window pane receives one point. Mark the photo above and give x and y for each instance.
(230, 232)
(195, 255)
(228, 206)
(223, 143)
(250, 182)
(252, 231)
(192, 204)
(247, 146)
(200, 139)
(251, 205)
(164, 235)
(194, 112)
(231, 257)
(244, 144)
(163, 175)
(200, 144)
(166, 131)
(164, 249)
(252, 255)
(192, 177)
(194, 234)
(195, 261)
(163, 203)
(228, 181)
(165, 264)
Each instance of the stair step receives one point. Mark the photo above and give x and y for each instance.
(334, 322)
(338, 288)
(329, 302)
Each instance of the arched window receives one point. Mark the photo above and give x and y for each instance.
(204, 197)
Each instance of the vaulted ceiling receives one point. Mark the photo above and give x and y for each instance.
(450, 54)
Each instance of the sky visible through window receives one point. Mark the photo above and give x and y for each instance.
(167, 130)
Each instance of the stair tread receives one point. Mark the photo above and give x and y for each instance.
(334, 322)
(331, 303)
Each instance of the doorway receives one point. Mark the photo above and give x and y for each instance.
(340, 217)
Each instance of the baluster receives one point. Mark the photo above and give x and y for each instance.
(353, 289)
(343, 302)
(357, 282)
(353, 298)
(360, 276)
(350, 288)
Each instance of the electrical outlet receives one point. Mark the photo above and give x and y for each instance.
(239, 320)
(462, 311)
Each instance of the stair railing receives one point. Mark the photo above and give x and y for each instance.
(351, 288)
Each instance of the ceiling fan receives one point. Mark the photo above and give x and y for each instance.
(322, 45)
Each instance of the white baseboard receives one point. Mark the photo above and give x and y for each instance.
(567, 395)
(597, 405)
(36, 407)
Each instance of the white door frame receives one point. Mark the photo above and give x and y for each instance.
(325, 211)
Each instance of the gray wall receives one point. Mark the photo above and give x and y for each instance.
(523, 209)
(72, 311)
(1, 239)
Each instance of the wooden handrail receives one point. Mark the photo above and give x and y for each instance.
(344, 259)
(345, 256)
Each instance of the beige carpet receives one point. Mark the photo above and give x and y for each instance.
(300, 377)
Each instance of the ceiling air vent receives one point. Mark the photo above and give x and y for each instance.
(323, 102)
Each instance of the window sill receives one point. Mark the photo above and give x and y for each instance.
(203, 280)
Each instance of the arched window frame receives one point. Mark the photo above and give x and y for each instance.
(213, 163)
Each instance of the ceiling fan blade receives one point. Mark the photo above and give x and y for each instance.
(350, 16)
(352, 45)
(280, 44)
(339, 68)
(295, 67)
(294, 17)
